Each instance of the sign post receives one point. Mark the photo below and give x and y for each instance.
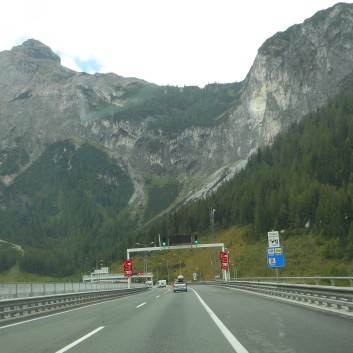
(274, 252)
(273, 239)
(128, 270)
(224, 255)
(275, 257)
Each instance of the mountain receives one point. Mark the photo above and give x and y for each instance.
(163, 146)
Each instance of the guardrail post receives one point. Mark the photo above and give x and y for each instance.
(333, 282)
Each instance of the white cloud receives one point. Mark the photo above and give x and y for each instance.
(70, 63)
(190, 42)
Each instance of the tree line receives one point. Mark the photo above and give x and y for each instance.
(302, 183)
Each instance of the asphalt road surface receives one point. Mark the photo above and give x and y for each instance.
(206, 319)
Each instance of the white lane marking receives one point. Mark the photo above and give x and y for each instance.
(79, 340)
(238, 347)
(139, 306)
(158, 296)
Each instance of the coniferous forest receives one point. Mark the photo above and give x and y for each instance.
(302, 183)
(63, 215)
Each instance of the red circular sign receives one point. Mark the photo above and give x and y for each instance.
(128, 272)
(128, 263)
(224, 255)
(224, 265)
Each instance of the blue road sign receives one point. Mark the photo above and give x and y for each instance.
(275, 256)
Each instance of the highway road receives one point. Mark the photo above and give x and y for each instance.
(206, 319)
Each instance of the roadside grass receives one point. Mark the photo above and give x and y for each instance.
(304, 256)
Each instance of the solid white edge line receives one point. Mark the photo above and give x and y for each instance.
(138, 306)
(238, 347)
(79, 340)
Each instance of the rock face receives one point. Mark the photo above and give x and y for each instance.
(42, 102)
(295, 72)
(298, 70)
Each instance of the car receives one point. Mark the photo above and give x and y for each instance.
(161, 283)
(180, 285)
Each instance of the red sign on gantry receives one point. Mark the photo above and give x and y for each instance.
(224, 255)
(128, 263)
(128, 272)
(128, 268)
(224, 265)
(224, 259)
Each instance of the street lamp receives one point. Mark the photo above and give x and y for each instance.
(235, 272)
(99, 262)
(167, 267)
(145, 259)
(92, 272)
(179, 263)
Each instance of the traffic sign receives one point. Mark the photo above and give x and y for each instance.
(224, 255)
(128, 268)
(128, 272)
(275, 256)
(273, 239)
(128, 263)
(224, 259)
(224, 265)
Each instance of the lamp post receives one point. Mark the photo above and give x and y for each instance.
(212, 211)
(99, 262)
(235, 272)
(167, 260)
(145, 258)
(92, 272)
(179, 263)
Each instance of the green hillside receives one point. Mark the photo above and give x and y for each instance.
(304, 256)
(66, 210)
(302, 185)
(70, 207)
(177, 108)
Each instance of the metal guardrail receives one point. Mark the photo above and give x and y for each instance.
(340, 298)
(304, 280)
(32, 289)
(21, 307)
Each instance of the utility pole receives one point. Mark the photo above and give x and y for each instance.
(145, 259)
(213, 236)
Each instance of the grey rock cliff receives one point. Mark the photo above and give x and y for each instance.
(294, 72)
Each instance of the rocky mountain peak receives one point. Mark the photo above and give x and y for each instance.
(138, 123)
(37, 50)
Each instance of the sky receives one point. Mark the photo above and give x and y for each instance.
(167, 42)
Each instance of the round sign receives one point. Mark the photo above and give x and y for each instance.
(127, 272)
(224, 265)
(128, 263)
(224, 255)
